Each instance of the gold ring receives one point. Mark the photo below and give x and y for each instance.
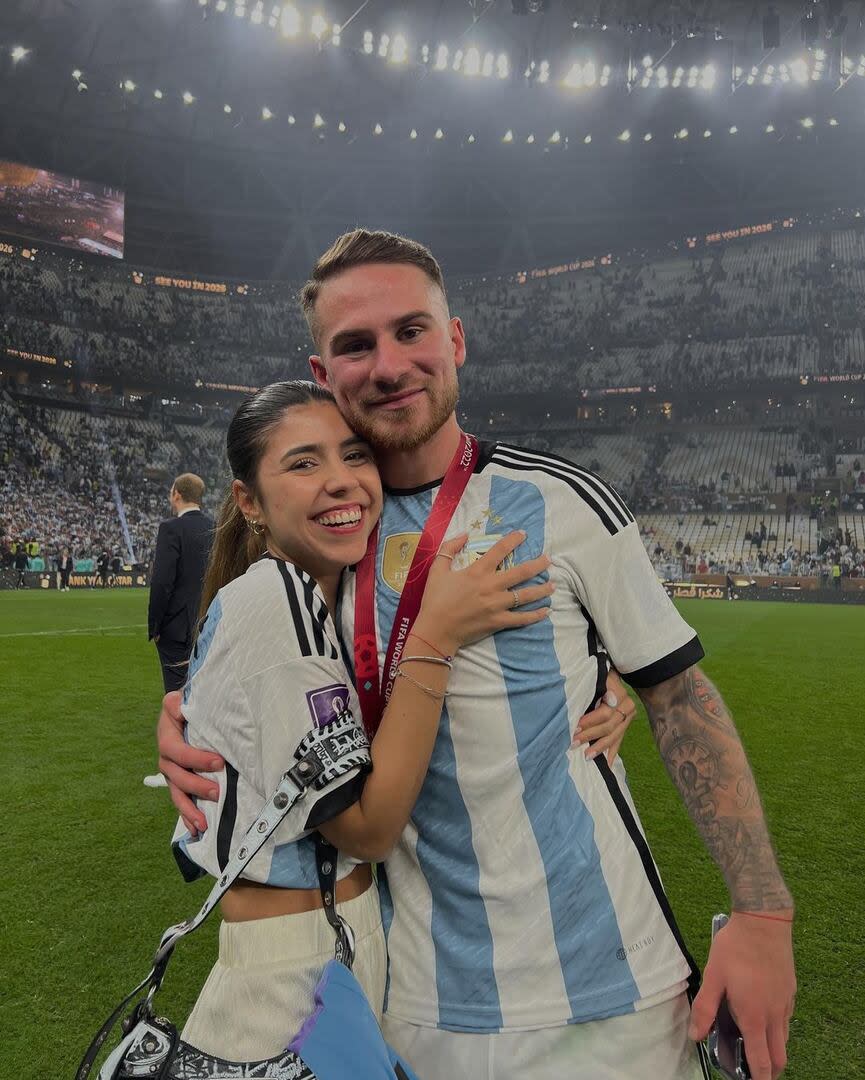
(444, 555)
(619, 711)
(516, 596)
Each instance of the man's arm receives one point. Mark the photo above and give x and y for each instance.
(164, 573)
(751, 959)
(701, 750)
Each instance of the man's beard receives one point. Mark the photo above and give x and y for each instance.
(394, 430)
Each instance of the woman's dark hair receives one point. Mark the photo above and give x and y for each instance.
(235, 546)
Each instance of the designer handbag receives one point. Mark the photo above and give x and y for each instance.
(341, 1038)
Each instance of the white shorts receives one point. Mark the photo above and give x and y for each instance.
(259, 991)
(652, 1044)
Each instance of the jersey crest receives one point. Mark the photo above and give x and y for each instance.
(397, 554)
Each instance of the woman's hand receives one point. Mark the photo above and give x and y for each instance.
(462, 606)
(606, 725)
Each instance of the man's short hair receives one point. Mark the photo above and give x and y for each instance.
(360, 247)
(189, 487)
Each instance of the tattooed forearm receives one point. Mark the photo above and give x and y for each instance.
(702, 752)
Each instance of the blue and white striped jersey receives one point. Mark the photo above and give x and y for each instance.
(266, 670)
(522, 893)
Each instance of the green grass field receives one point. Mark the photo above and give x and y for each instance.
(88, 881)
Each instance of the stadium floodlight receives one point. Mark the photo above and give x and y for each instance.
(221, 5)
(289, 21)
(676, 83)
(847, 65)
(488, 65)
(574, 78)
(383, 44)
(770, 128)
(707, 79)
(587, 139)
(662, 71)
(733, 130)
(590, 75)
(750, 80)
(128, 85)
(377, 130)
(399, 50)
(544, 71)
(707, 134)
(647, 137)
(76, 74)
(458, 59)
(158, 94)
(738, 73)
(257, 16)
(441, 60)
(413, 133)
(679, 73)
(770, 69)
(556, 137)
(240, 11)
(833, 122)
(807, 122)
(336, 36)
(439, 133)
(318, 121)
(508, 136)
(647, 61)
(187, 97)
(503, 66)
(471, 138)
(624, 136)
(472, 64)
(645, 81)
(530, 139)
(291, 119)
(368, 45)
(226, 109)
(820, 55)
(266, 114)
(318, 26)
(424, 53)
(682, 133)
(799, 70)
(767, 79)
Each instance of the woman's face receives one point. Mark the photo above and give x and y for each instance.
(319, 493)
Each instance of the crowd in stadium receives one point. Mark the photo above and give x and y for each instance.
(779, 307)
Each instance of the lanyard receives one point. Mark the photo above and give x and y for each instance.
(372, 694)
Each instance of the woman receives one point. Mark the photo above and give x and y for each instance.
(267, 668)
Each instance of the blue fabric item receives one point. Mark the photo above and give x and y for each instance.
(341, 1037)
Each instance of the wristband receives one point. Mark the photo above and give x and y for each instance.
(444, 662)
(759, 915)
(428, 690)
(434, 648)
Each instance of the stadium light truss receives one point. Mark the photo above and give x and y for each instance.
(472, 61)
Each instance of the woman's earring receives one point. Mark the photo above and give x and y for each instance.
(255, 526)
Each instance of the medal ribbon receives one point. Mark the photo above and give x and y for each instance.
(372, 693)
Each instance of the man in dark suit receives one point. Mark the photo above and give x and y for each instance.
(182, 548)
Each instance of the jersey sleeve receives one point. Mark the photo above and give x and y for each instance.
(294, 687)
(641, 629)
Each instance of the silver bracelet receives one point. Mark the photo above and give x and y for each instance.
(441, 661)
(439, 695)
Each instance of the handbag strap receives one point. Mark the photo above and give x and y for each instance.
(323, 755)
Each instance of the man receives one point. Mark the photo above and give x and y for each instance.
(21, 563)
(64, 567)
(528, 931)
(182, 548)
(103, 565)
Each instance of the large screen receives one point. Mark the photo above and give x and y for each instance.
(55, 209)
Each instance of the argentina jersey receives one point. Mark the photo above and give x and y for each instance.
(522, 893)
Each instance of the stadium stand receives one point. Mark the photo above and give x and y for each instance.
(125, 369)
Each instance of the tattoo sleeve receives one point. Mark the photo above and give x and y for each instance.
(701, 750)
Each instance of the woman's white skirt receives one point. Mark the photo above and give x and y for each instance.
(259, 991)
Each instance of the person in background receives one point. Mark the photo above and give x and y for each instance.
(64, 567)
(182, 549)
(21, 562)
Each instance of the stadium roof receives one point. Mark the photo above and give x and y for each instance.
(248, 133)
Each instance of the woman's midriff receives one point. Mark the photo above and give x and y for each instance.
(247, 900)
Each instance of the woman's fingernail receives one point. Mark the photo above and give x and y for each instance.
(215, 765)
(611, 699)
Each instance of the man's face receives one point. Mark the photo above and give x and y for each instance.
(389, 353)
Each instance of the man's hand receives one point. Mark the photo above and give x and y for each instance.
(606, 725)
(177, 759)
(751, 962)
